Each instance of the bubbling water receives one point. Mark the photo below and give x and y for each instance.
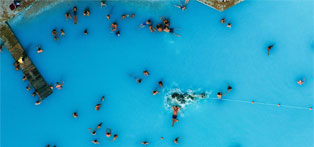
(182, 98)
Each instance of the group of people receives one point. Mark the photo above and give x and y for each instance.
(220, 94)
(223, 20)
(160, 83)
(161, 27)
(175, 141)
(55, 33)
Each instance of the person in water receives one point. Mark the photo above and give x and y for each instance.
(34, 93)
(108, 132)
(114, 26)
(95, 141)
(28, 88)
(59, 86)
(118, 33)
(75, 14)
(54, 32)
(92, 131)
(176, 140)
(269, 48)
(1, 45)
(176, 109)
(132, 15)
(165, 21)
(229, 25)
(62, 32)
(24, 77)
(39, 50)
(97, 107)
(223, 20)
(160, 84)
(155, 92)
(85, 32)
(38, 102)
(147, 22)
(182, 6)
(145, 143)
(99, 126)
(103, 3)
(139, 80)
(115, 136)
(146, 73)
(229, 88)
(108, 16)
(219, 95)
(124, 16)
(86, 12)
(300, 82)
(151, 28)
(67, 15)
(102, 98)
(159, 27)
(74, 114)
(171, 31)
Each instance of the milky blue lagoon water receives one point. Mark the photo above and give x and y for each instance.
(206, 58)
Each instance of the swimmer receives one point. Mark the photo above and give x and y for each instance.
(85, 32)
(219, 95)
(229, 89)
(147, 22)
(54, 32)
(28, 87)
(132, 15)
(39, 50)
(278, 105)
(108, 16)
(300, 82)
(182, 6)
(124, 16)
(176, 109)
(51, 87)
(252, 102)
(146, 73)
(145, 143)
(34, 93)
(95, 141)
(118, 33)
(97, 107)
(24, 78)
(62, 32)
(171, 31)
(176, 140)
(160, 84)
(67, 15)
(165, 21)
(155, 92)
(38, 102)
(223, 20)
(151, 28)
(1, 45)
(139, 80)
(161, 138)
(115, 136)
(16, 65)
(59, 86)
(159, 27)
(86, 12)
(114, 26)
(92, 131)
(75, 14)
(108, 132)
(74, 114)
(56, 38)
(102, 98)
(103, 3)
(99, 126)
(229, 25)
(269, 48)
(48, 145)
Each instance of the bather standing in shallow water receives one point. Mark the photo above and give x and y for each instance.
(176, 109)
(219, 95)
(108, 132)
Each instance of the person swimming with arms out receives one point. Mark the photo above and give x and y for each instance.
(144, 143)
(269, 48)
(95, 141)
(92, 131)
(300, 82)
(39, 50)
(229, 88)
(182, 6)
(176, 109)
(75, 14)
(108, 132)
(147, 22)
(176, 140)
(67, 15)
(114, 26)
(59, 86)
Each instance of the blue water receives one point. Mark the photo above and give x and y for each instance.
(205, 58)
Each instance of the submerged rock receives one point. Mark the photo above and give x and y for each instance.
(177, 97)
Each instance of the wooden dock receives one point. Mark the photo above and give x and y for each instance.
(220, 5)
(28, 68)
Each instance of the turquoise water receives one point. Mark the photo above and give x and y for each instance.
(205, 58)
